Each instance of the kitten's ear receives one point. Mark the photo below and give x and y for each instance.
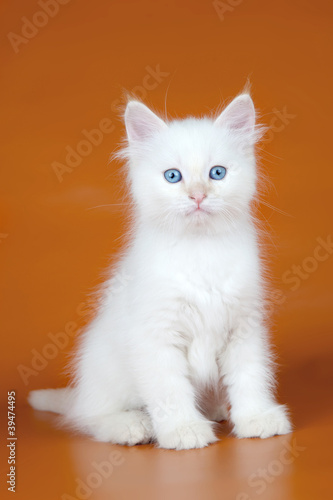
(239, 115)
(141, 123)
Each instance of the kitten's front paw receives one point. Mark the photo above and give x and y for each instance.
(266, 424)
(197, 434)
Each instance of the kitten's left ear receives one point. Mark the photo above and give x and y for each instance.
(239, 116)
(141, 123)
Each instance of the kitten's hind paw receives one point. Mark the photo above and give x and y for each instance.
(197, 434)
(266, 424)
(127, 428)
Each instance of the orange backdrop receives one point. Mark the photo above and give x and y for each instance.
(66, 66)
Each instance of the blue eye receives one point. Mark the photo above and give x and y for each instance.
(173, 175)
(217, 173)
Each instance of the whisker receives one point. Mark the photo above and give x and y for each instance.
(108, 205)
(275, 208)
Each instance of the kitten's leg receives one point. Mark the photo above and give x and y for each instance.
(170, 397)
(106, 404)
(102, 412)
(246, 367)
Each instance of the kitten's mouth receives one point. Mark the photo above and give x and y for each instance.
(198, 211)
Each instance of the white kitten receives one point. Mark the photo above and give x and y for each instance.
(183, 313)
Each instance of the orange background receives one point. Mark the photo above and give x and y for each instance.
(56, 239)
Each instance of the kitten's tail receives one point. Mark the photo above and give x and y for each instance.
(56, 400)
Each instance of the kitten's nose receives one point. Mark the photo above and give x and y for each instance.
(198, 197)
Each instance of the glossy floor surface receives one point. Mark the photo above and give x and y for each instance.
(54, 464)
(66, 66)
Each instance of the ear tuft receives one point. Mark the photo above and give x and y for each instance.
(141, 123)
(239, 115)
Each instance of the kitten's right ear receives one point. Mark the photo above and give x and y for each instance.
(141, 123)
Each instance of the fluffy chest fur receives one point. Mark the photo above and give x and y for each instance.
(189, 291)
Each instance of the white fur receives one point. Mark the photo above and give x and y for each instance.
(183, 312)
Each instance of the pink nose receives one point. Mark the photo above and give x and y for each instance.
(198, 198)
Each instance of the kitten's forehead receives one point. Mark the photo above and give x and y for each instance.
(192, 132)
(195, 142)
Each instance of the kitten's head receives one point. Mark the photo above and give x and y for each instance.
(194, 173)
